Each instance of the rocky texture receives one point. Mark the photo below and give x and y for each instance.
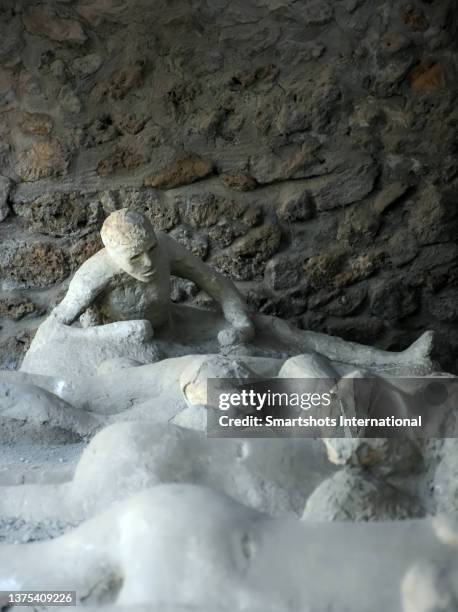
(39, 264)
(336, 121)
(42, 160)
(183, 170)
(42, 21)
(58, 214)
(5, 187)
(351, 495)
(16, 307)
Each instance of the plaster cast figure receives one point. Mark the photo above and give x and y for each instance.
(130, 279)
(184, 547)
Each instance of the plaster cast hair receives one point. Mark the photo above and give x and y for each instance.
(126, 227)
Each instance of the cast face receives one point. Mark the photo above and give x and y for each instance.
(138, 260)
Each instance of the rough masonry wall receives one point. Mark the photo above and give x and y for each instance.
(307, 148)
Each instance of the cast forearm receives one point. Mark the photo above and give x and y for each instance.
(67, 311)
(233, 306)
(219, 287)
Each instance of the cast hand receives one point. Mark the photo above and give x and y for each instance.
(236, 334)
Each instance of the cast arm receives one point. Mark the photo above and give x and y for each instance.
(88, 282)
(220, 288)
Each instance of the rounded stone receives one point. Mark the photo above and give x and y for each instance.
(350, 495)
(297, 207)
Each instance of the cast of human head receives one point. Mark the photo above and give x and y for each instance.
(130, 241)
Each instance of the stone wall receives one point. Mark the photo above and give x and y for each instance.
(307, 148)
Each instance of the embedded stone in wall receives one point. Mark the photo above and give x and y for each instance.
(358, 223)
(238, 181)
(44, 159)
(348, 302)
(195, 243)
(33, 265)
(428, 217)
(201, 209)
(130, 122)
(246, 258)
(17, 307)
(283, 272)
(392, 299)
(96, 11)
(335, 269)
(58, 214)
(402, 248)
(68, 100)
(292, 117)
(388, 80)
(8, 98)
(260, 242)
(87, 64)
(296, 207)
(352, 5)
(393, 42)
(366, 113)
(123, 157)
(233, 223)
(291, 304)
(183, 170)
(359, 267)
(223, 233)
(321, 269)
(432, 258)
(323, 297)
(352, 180)
(444, 305)
(58, 70)
(295, 52)
(5, 188)
(390, 194)
(238, 268)
(39, 124)
(163, 214)
(315, 12)
(414, 18)
(120, 83)
(11, 40)
(247, 78)
(84, 248)
(44, 21)
(251, 217)
(427, 76)
(100, 130)
(110, 201)
(288, 162)
(315, 321)
(125, 79)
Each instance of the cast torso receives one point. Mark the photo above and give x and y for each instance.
(126, 298)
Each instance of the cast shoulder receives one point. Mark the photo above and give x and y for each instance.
(98, 269)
